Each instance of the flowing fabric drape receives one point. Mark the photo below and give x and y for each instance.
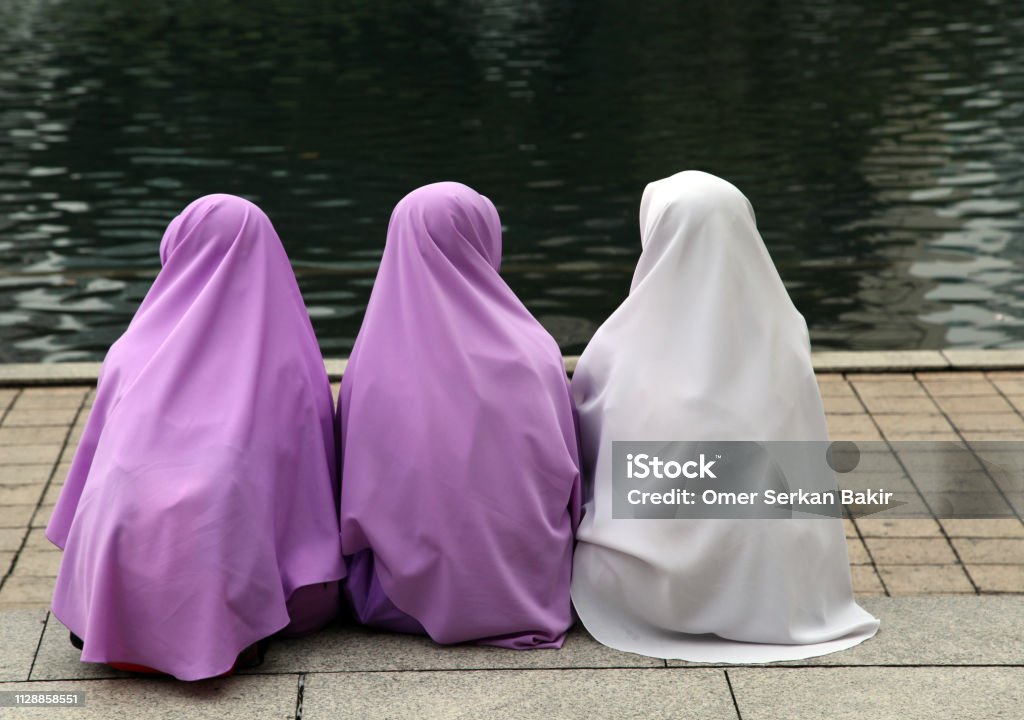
(707, 346)
(460, 481)
(202, 495)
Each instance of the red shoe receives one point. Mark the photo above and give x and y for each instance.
(252, 656)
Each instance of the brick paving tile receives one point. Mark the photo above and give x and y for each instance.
(31, 454)
(33, 417)
(972, 405)
(37, 540)
(922, 579)
(41, 435)
(6, 398)
(15, 516)
(43, 426)
(42, 516)
(852, 427)
(24, 474)
(50, 399)
(20, 494)
(37, 563)
(52, 493)
(842, 405)
(974, 528)
(923, 424)
(998, 578)
(836, 390)
(950, 388)
(990, 551)
(902, 528)
(888, 388)
(885, 405)
(947, 376)
(980, 438)
(27, 589)
(910, 551)
(865, 580)
(1008, 385)
(11, 538)
(988, 422)
(857, 552)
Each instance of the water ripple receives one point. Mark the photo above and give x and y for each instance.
(881, 144)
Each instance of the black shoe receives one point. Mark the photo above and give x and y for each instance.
(253, 655)
(77, 642)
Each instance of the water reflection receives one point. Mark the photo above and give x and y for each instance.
(880, 143)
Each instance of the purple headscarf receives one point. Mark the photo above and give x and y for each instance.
(202, 493)
(460, 475)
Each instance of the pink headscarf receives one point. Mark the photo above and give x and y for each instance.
(460, 473)
(202, 493)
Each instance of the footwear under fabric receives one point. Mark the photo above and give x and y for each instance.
(202, 495)
(460, 480)
(251, 657)
(707, 346)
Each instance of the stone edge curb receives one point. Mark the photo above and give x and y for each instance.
(82, 373)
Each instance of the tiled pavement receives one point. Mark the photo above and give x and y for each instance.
(935, 657)
(950, 594)
(923, 555)
(40, 428)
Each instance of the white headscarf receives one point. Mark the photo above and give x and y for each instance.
(708, 346)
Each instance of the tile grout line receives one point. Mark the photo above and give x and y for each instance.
(10, 406)
(39, 645)
(42, 494)
(119, 676)
(732, 694)
(3, 418)
(300, 696)
(860, 533)
(767, 667)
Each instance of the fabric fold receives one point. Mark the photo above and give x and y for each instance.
(202, 495)
(707, 346)
(460, 480)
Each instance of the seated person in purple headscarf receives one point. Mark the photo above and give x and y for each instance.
(460, 471)
(198, 517)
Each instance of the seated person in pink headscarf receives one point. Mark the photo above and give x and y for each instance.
(460, 472)
(199, 517)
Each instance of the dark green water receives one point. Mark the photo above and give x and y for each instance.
(881, 144)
